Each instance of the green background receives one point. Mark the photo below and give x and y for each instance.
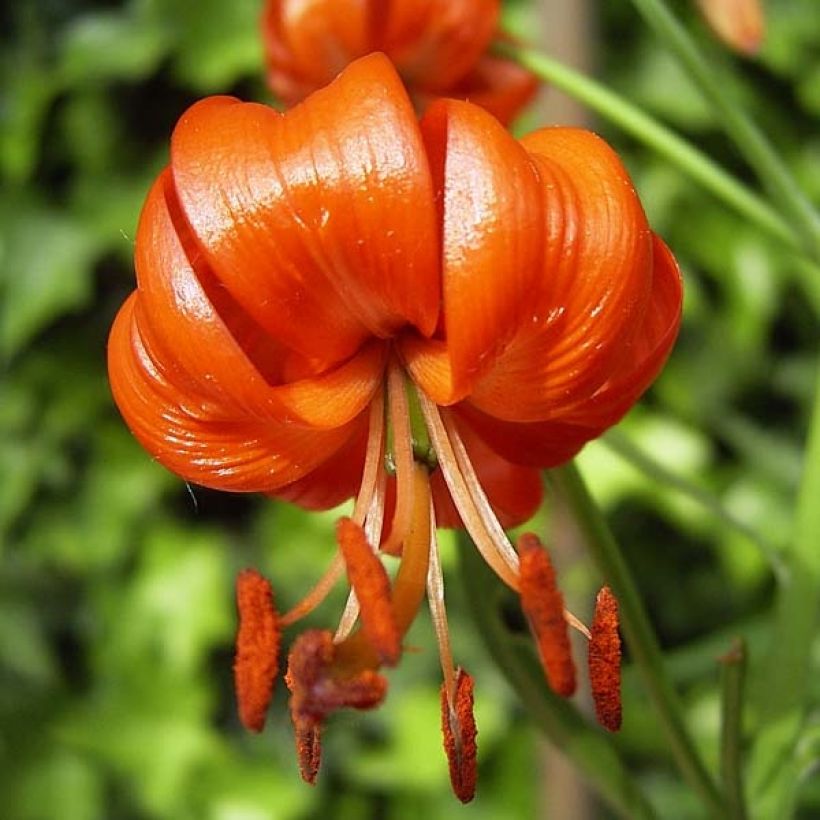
(116, 580)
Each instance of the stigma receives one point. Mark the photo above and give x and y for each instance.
(410, 439)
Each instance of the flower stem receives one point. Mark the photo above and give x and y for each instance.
(738, 125)
(784, 688)
(667, 143)
(620, 444)
(590, 750)
(732, 678)
(643, 646)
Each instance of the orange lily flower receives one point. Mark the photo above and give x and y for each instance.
(344, 301)
(440, 48)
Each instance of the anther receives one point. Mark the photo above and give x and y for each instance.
(257, 648)
(371, 584)
(317, 689)
(309, 749)
(543, 605)
(605, 661)
(459, 730)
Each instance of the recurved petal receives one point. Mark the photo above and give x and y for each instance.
(492, 244)
(646, 356)
(225, 355)
(321, 222)
(514, 491)
(197, 438)
(541, 444)
(335, 480)
(593, 283)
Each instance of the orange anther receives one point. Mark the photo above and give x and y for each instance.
(605, 661)
(257, 648)
(371, 584)
(459, 730)
(543, 605)
(309, 749)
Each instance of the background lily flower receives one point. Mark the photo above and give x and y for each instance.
(740, 24)
(344, 301)
(440, 47)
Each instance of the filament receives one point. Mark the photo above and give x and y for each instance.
(373, 458)
(402, 455)
(438, 612)
(317, 594)
(463, 498)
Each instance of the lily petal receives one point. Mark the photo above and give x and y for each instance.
(435, 43)
(335, 480)
(647, 355)
(550, 443)
(321, 222)
(198, 439)
(224, 353)
(492, 243)
(534, 444)
(593, 288)
(308, 43)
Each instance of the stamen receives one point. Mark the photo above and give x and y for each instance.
(480, 499)
(309, 750)
(372, 587)
(577, 624)
(257, 648)
(317, 689)
(356, 652)
(438, 612)
(459, 730)
(369, 502)
(605, 661)
(402, 455)
(543, 605)
(462, 497)
(373, 458)
(373, 532)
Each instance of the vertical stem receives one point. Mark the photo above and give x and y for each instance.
(784, 689)
(640, 638)
(590, 750)
(732, 680)
(745, 134)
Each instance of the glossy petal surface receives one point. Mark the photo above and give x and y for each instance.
(440, 48)
(491, 212)
(320, 223)
(199, 439)
(595, 280)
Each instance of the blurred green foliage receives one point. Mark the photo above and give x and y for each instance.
(116, 612)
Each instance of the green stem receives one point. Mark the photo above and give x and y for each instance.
(784, 689)
(620, 444)
(643, 645)
(732, 678)
(749, 139)
(590, 750)
(666, 142)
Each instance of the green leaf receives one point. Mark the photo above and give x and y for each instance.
(112, 45)
(219, 42)
(46, 266)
